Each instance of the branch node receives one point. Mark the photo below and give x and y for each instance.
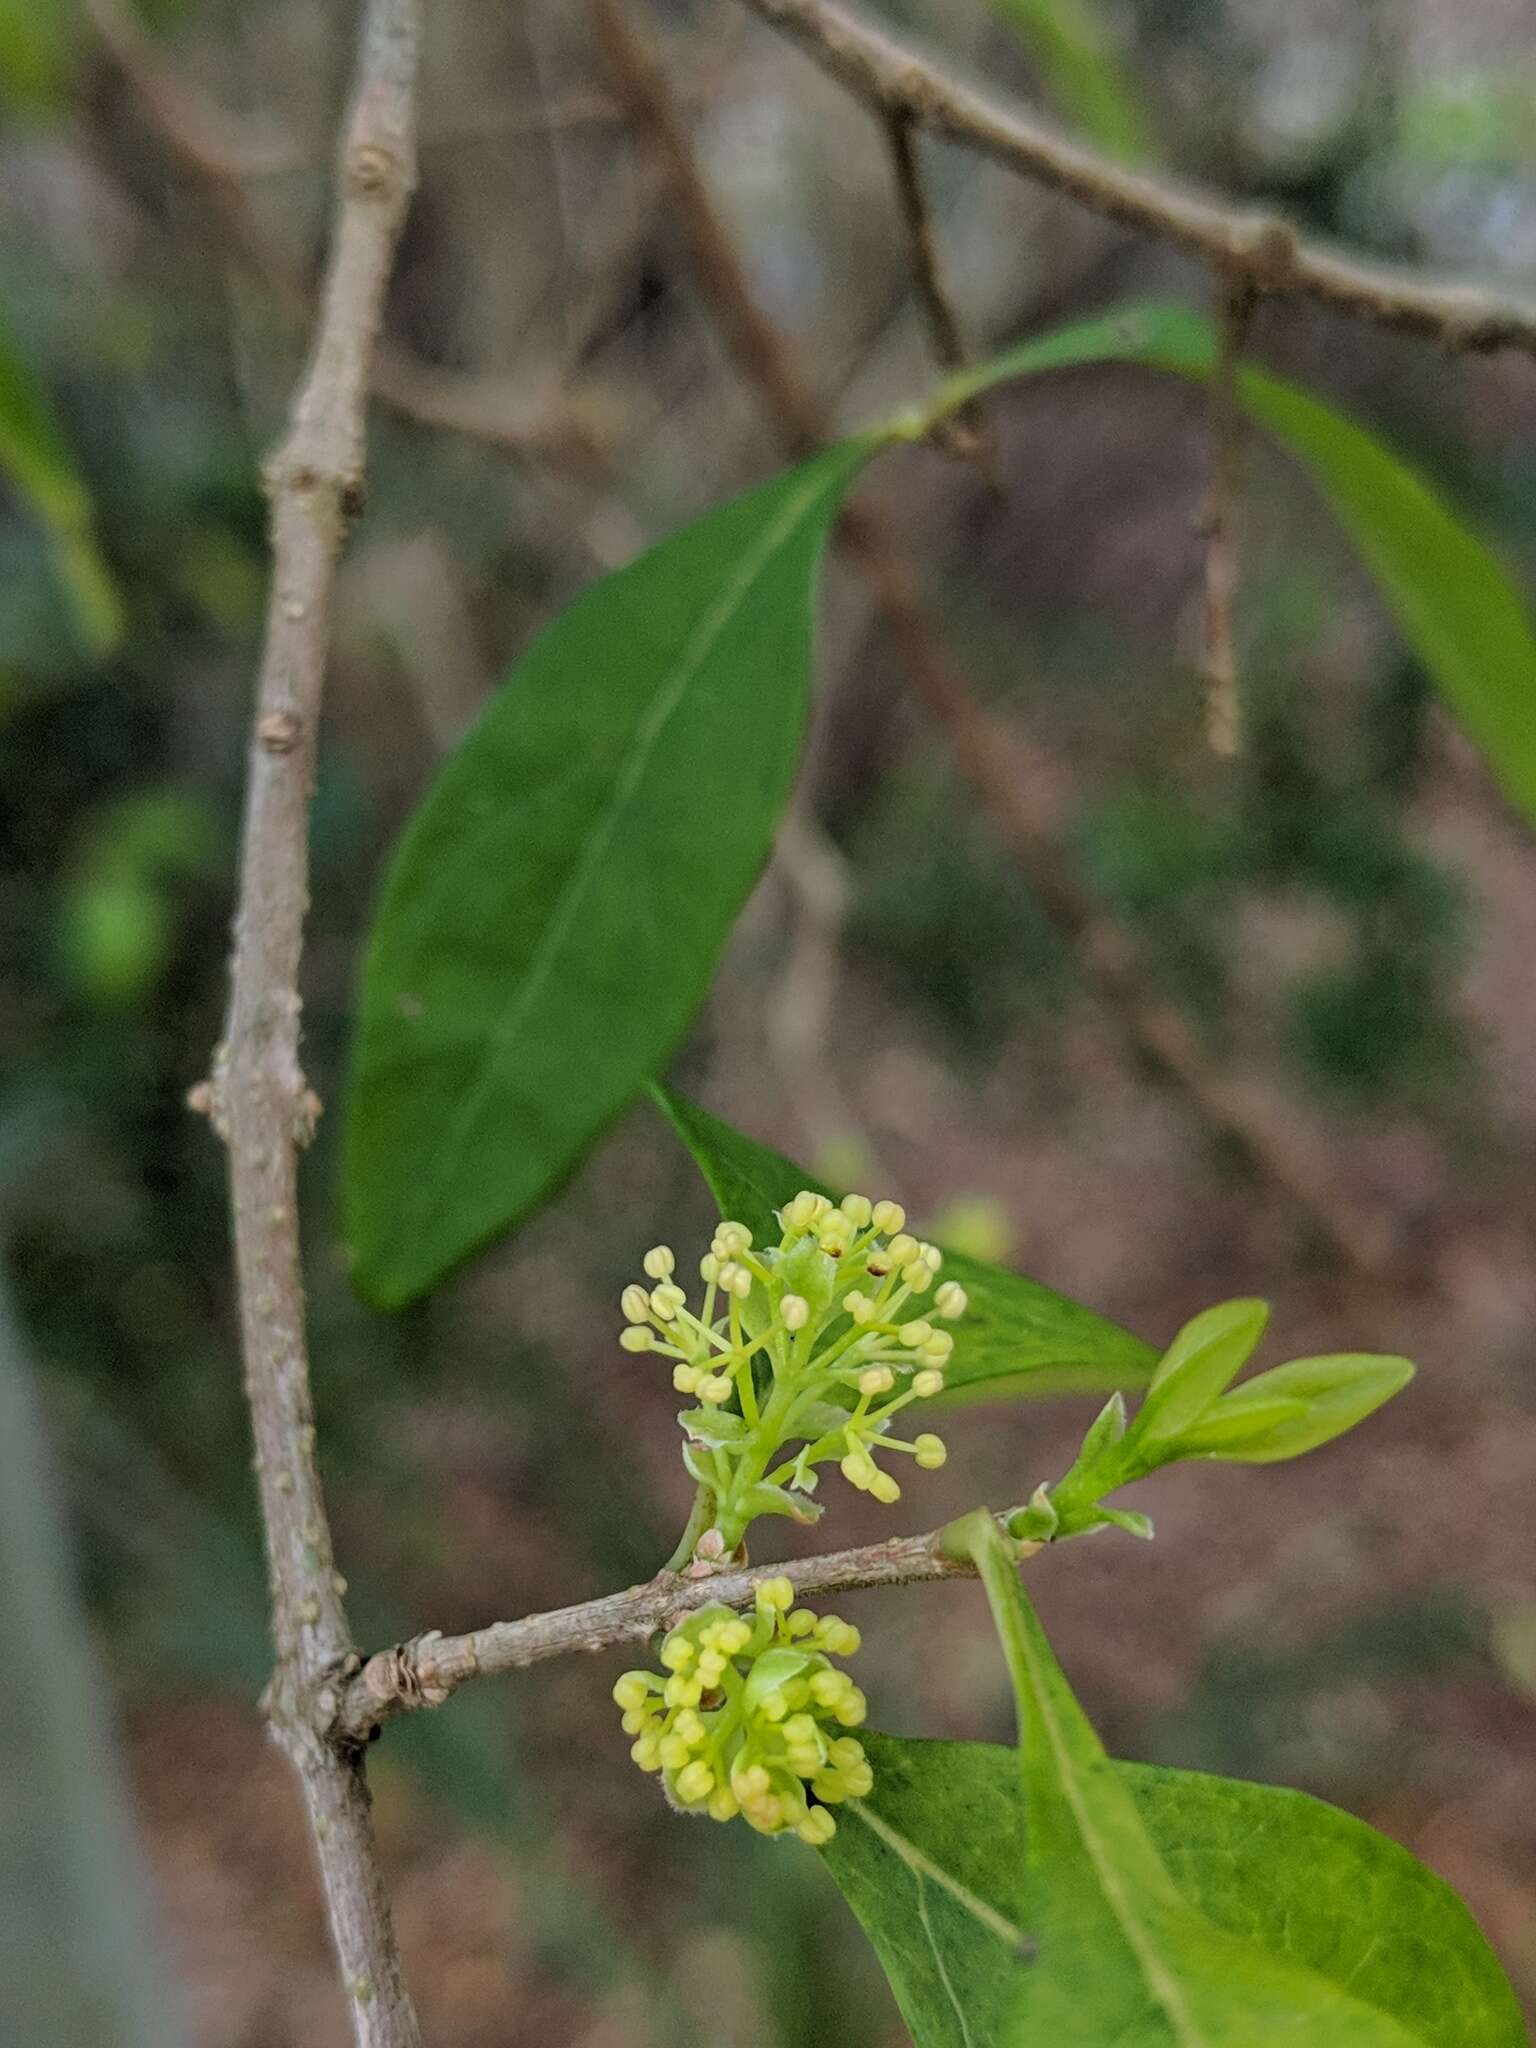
(279, 730)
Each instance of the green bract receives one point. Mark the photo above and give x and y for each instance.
(821, 1339)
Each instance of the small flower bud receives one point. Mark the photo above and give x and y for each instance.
(666, 1300)
(735, 1280)
(859, 1306)
(659, 1263)
(799, 1214)
(795, 1311)
(884, 1488)
(751, 1783)
(888, 1218)
(802, 1622)
(723, 1804)
(930, 1255)
(636, 1304)
(876, 1379)
(817, 1828)
(951, 1301)
(914, 1334)
(778, 1594)
(714, 1387)
(937, 1349)
(930, 1452)
(835, 1235)
(631, 1691)
(647, 1753)
(637, 1338)
(858, 1209)
(901, 1250)
(709, 1268)
(695, 1782)
(857, 1468)
(918, 1275)
(677, 1653)
(685, 1378)
(928, 1383)
(731, 1238)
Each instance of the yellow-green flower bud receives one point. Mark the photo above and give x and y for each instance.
(926, 1384)
(901, 1250)
(951, 1301)
(858, 1468)
(930, 1452)
(714, 1387)
(918, 1275)
(695, 1782)
(858, 1209)
(876, 1379)
(888, 1218)
(913, 1334)
(794, 1311)
(778, 1594)
(885, 1489)
(659, 1263)
(637, 1338)
(636, 1303)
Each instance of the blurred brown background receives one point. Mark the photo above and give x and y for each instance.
(1345, 916)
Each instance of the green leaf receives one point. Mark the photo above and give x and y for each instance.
(1066, 1929)
(1122, 1955)
(1453, 601)
(36, 462)
(1073, 52)
(1201, 1362)
(1017, 1336)
(552, 917)
(1295, 1408)
(933, 1862)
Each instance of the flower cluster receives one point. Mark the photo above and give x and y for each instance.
(749, 1715)
(821, 1339)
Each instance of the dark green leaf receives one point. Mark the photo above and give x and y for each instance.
(1017, 1337)
(36, 462)
(1072, 49)
(552, 918)
(1452, 599)
(945, 1825)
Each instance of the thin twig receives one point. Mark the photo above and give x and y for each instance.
(893, 77)
(257, 1095)
(1018, 788)
(1218, 653)
(939, 316)
(754, 345)
(961, 432)
(430, 1668)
